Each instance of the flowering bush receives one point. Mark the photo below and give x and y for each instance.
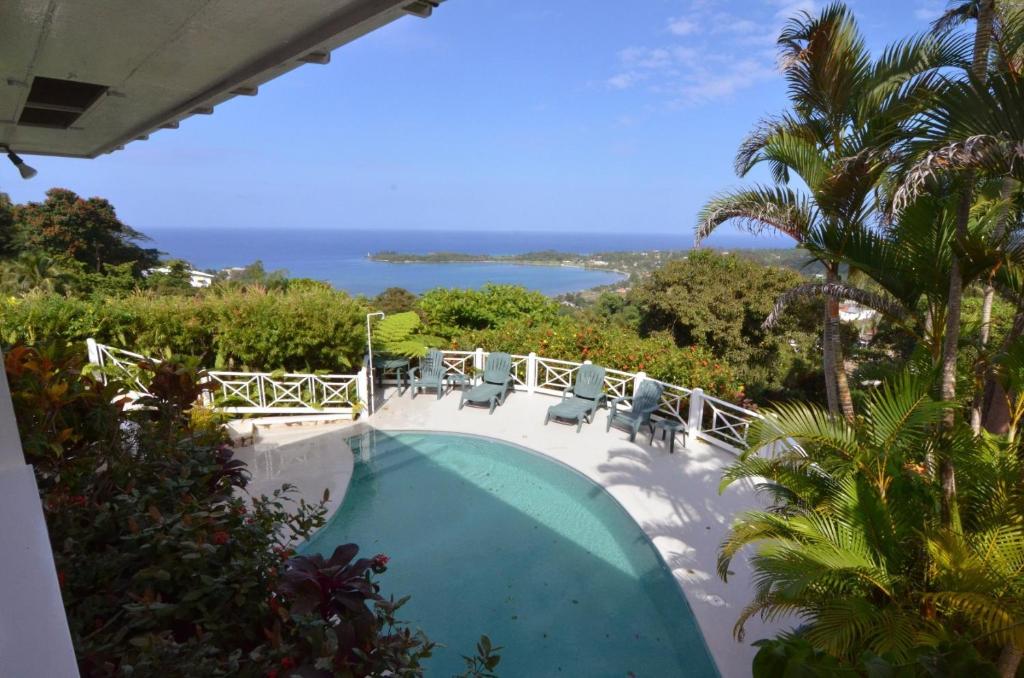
(614, 347)
(164, 568)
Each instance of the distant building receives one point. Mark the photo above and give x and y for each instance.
(851, 311)
(196, 278)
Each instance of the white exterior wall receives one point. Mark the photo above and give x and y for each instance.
(34, 636)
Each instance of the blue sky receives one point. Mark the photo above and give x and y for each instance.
(524, 115)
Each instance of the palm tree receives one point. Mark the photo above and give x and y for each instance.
(977, 127)
(852, 543)
(35, 271)
(849, 116)
(909, 261)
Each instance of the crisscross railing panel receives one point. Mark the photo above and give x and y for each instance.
(675, 402)
(555, 376)
(726, 424)
(249, 392)
(618, 384)
(519, 370)
(121, 363)
(261, 392)
(459, 362)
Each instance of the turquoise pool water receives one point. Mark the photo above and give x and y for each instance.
(490, 538)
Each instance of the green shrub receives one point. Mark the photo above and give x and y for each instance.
(612, 346)
(302, 329)
(450, 311)
(719, 302)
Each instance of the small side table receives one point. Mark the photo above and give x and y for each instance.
(670, 429)
(461, 379)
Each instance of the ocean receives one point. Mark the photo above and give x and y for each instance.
(340, 256)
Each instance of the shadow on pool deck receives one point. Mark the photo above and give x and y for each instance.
(599, 617)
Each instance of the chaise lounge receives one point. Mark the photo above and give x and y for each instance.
(587, 395)
(643, 404)
(496, 384)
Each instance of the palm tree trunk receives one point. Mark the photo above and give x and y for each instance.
(981, 371)
(950, 341)
(984, 374)
(983, 39)
(947, 391)
(828, 366)
(1009, 660)
(839, 366)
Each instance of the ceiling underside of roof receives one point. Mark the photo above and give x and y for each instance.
(113, 71)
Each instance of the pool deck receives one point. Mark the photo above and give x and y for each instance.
(673, 497)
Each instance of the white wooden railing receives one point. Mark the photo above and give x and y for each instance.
(707, 418)
(253, 392)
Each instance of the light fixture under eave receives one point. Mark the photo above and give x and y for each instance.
(26, 171)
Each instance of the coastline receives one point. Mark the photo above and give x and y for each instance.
(505, 262)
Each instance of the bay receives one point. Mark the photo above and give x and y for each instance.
(340, 256)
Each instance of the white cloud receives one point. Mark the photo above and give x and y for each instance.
(790, 8)
(717, 49)
(681, 26)
(623, 80)
(929, 10)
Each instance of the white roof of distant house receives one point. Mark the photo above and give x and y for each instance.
(161, 61)
(196, 278)
(850, 311)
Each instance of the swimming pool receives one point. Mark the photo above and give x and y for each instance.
(491, 538)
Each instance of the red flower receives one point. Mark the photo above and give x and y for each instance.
(221, 537)
(380, 560)
(272, 673)
(287, 663)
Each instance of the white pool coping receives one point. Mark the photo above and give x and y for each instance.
(673, 498)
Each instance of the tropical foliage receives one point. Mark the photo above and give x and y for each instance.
(166, 566)
(451, 311)
(850, 116)
(614, 347)
(85, 230)
(400, 334)
(894, 539)
(727, 318)
(248, 327)
(852, 543)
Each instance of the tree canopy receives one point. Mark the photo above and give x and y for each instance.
(86, 230)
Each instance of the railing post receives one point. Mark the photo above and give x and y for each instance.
(478, 358)
(531, 372)
(638, 379)
(363, 389)
(696, 416)
(94, 351)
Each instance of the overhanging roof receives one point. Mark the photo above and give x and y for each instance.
(84, 77)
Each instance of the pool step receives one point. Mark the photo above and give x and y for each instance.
(386, 453)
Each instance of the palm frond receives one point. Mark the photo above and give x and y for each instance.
(840, 292)
(758, 209)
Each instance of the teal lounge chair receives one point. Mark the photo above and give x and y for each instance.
(644, 403)
(496, 384)
(587, 394)
(429, 374)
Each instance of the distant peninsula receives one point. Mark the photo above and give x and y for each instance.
(626, 263)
